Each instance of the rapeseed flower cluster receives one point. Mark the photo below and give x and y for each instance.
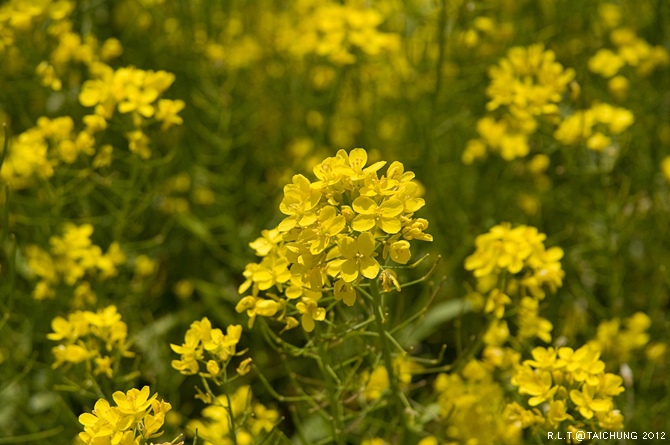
(616, 342)
(514, 263)
(348, 226)
(42, 27)
(18, 19)
(471, 407)
(595, 126)
(131, 91)
(335, 31)
(252, 420)
(73, 260)
(210, 348)
(487, 34)
(629, 50)
(134, 420)
(37, 152)
(571, 386)
(98, 339)
(526, 85)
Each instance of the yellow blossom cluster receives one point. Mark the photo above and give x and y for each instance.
(571, 386)
(471, 408)
(131, 91)
(134, 420)
(17, 17)
(527, 84)
(630, 50)
(36, 152)
(336, 232)
(377, 381)
(486, 30)
(72, 260)
(252, 420)
(618, 342)
(51, 27)
(595, 126)
(518, 250)
(514, 263)
(210, 348)
(95, 338)
(335, 30)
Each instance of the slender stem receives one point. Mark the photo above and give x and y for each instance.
(229, 408)
(337, 422)
(387, 358)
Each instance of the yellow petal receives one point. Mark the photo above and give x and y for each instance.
(369, 268)
(347, 247)
(392, 207)
(390, 225)
(307, 322)
(349, 271)
(363, 223)
(365, 244)
(365, 205)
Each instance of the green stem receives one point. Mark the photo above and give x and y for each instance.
(126, 200)
(229, 408)
(337, 419)
(387, 358)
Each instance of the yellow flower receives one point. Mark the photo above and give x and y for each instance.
(359, 256)
(267, 243)
(103, 365)
(345, 291)
(529, 81)
(136, 419)
(557, 413)
(167, 112)
(606, 63)
(375, 383)
(610, 385)
(538, 384)
(545, 358)
(497, 333)
(145, 266)
(496, 303)
(299, 203)
(138, 143)
(328, 224)
(384, 216)
(390, 278)
(400, 252)
(610, 420)
(501, 248)
(71, 354)
(310, 312)
(135, 402)
(586, 402)
(245, 366)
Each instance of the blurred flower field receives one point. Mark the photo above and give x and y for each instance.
(334, 222)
